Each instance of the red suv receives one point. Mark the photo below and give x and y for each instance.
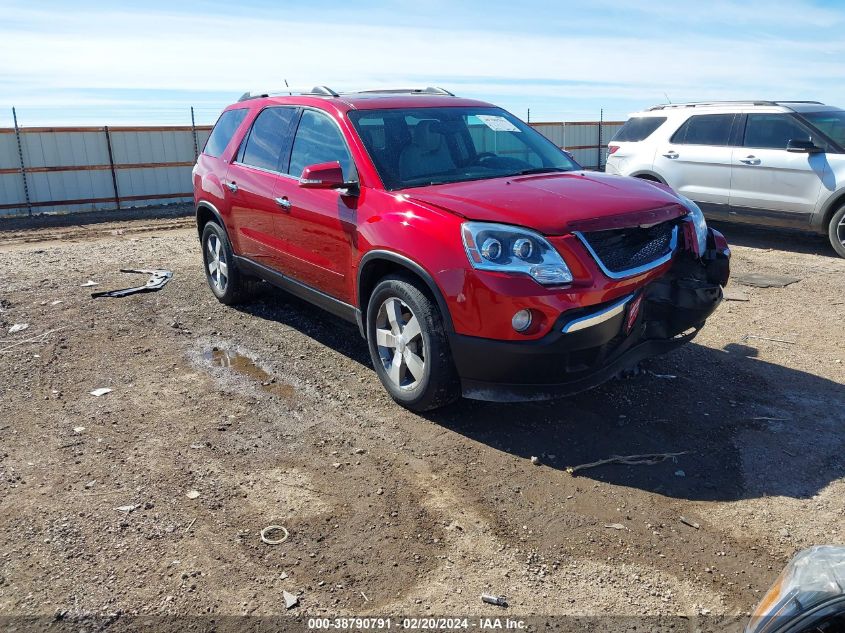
(476, 257)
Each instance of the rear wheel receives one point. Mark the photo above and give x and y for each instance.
(409, 347)
(836, 232)
(228, 284)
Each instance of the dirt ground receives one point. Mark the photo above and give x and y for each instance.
(391, 512)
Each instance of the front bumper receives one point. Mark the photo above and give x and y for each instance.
(588, 346)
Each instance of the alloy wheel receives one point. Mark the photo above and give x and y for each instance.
(400, 343)
(218, 269)
(840, 231)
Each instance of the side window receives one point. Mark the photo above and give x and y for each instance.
(268, 138)
(705, 129)
(772, 131)
(223, 131)
(318, 140)
(638, 128)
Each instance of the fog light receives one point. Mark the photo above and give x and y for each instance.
(521, 321)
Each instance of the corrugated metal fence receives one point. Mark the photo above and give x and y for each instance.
(72, 169)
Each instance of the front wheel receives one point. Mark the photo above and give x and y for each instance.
(836, 232)
(228, 284)
(409, 347)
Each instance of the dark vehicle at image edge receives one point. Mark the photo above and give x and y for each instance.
(475, 256)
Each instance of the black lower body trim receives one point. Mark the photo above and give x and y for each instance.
(521, 392)
(299, 289)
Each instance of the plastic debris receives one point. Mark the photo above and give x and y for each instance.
(734, 294)
(290, 600)
(647, 459)
(680, 473)
(499, 601)
(692, 524)
(18, 327)
(192, 494)
(89, 283)
(535, 460)
(78, 429)
(615, 526)
(270, 529)
(128, 508)
(100, 392)
(158, 278)
(763, 280)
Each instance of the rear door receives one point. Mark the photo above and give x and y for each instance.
(770, 184)
(251, 183)
(316, 228)
(696, 161)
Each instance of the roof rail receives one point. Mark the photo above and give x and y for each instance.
(321, 91)
(430, 90)
(753, 102)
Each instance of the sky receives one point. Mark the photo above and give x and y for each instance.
(96, 62)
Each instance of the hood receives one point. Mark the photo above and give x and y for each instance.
(556, 203)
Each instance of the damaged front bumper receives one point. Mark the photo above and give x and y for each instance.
(588, 346)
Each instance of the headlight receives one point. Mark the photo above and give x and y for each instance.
(511, 249)
(697, 218)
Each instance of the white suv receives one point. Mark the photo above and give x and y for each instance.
(778, 163)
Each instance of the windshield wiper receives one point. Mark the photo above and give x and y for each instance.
(538, 170)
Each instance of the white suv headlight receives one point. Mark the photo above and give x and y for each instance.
(697, 218)
(510, 249)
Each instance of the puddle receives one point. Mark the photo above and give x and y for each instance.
(245, 366)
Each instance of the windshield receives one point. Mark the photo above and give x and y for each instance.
(830, 123)
(415, 147)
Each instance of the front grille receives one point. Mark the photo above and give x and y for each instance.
(621, 250)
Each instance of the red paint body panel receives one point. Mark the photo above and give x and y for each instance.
(555, 204)
(322, 237)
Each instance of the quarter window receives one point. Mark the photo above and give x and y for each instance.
(269, 136)
(772, 131)
(223, 131)
(705, 129)
(318, 140)
(638, 128)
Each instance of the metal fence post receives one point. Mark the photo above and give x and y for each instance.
(111, 166)
(194, 132)
(23, 166)
(598, 150)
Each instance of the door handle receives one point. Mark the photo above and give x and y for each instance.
(231, 186)
(750, 160)
(671, 154)
(284, 203)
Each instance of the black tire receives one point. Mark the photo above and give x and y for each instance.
(438, 385)
(237, 287)
(836, 232)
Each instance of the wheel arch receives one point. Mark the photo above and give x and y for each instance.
(206, 212)
(821, 220)
(377, 264)
(648, 175)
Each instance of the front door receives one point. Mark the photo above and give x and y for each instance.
(769, 181)
(317, 228)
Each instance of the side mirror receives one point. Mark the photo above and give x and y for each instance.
(322, 176)
(802, 146)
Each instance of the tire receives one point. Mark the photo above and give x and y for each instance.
(425, 377)
(228, 284)
(836, 232)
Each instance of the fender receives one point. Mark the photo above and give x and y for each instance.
(405, 262)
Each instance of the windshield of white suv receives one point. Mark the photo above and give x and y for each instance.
(415, 147)
(830, 123)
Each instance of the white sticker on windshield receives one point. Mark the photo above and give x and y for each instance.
(497, 123)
